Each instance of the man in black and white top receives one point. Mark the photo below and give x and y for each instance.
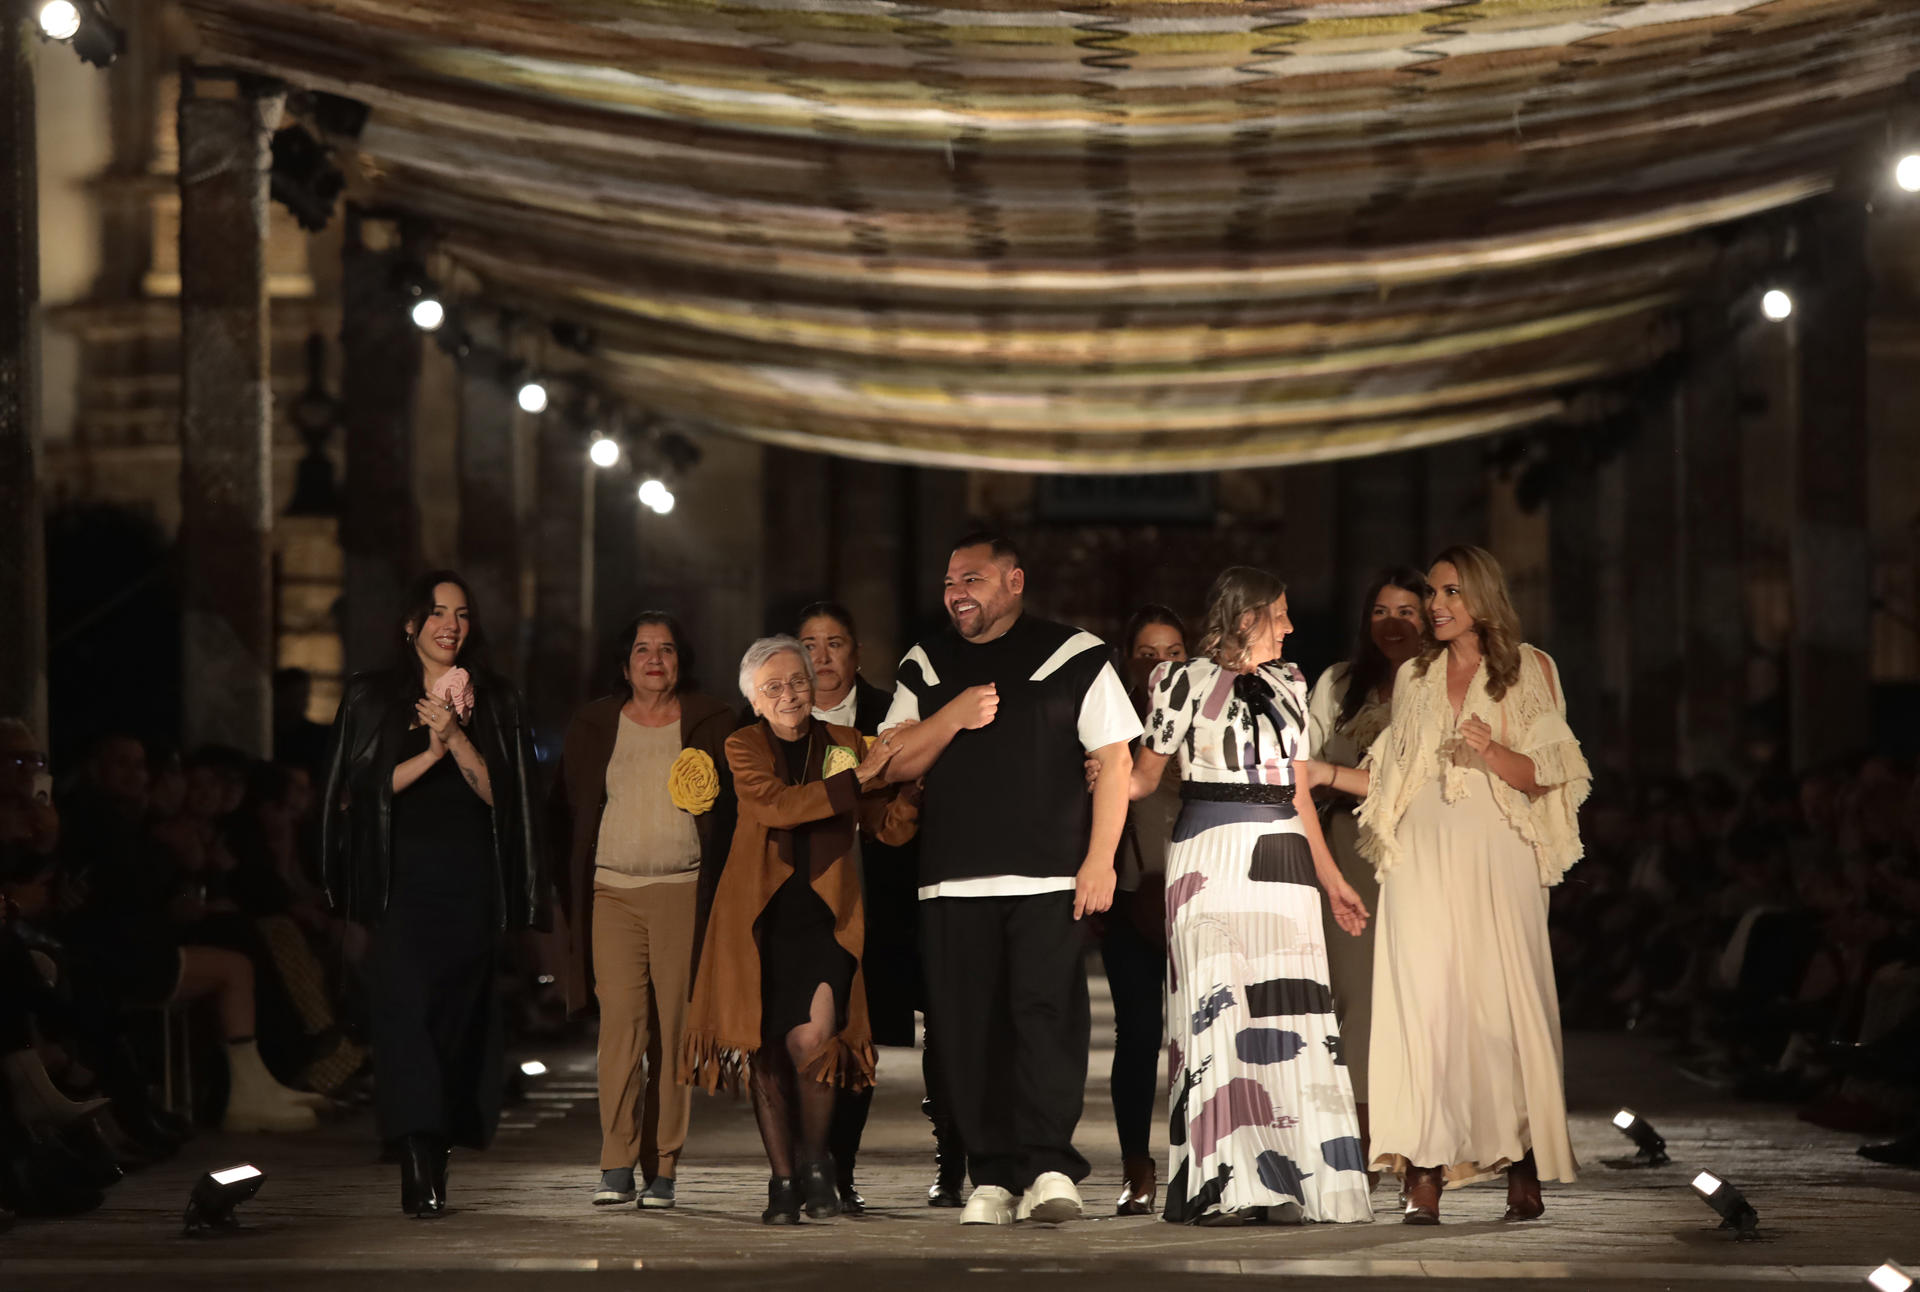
(1000, 715)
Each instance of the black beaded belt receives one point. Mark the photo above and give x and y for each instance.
(1233, 792)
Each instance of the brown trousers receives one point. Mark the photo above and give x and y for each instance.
(642, 964)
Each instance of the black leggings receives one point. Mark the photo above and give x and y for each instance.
(1136, 975)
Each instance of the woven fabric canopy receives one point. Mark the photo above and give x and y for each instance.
(1112, 237)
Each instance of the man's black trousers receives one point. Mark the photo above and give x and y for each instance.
(1007, 980)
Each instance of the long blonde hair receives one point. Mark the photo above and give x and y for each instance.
(1483, 585)
(1237, 590)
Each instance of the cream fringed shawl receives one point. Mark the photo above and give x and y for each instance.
(1531, 719)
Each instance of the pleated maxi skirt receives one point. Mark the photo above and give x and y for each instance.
(1465, 1065)
(1262, 1113)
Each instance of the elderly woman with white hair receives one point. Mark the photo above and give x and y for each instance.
(778, 996)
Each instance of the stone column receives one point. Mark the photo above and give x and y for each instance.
(379, 521)
(615, 582)
(1456, 502)
(1713, 602)
(1831, 566)
(1655, 627)
(939, 517)
(1381, 521)
(23, 583)
(869, 547)
(802, 532)
(490, 546)
(1318, 598)
(563, 579)
(226, 416)
(1575, 557)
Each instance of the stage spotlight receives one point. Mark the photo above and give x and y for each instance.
(1906, 172)
(655, 494)
(605, 452)
(428, 314)
(1890, 1278)
(217, 1193)
(303, 177)
(1776, 305)
(87, 26)
(59, 20)
(1653, 1149)
(533, 397)
(533, 1068)
(1736, 1213)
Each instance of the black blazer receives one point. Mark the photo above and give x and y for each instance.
(356, 823)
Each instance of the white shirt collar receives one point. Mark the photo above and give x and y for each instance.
(841, 714)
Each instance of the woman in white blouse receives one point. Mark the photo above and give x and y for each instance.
(1346, 712)
(1471, 795)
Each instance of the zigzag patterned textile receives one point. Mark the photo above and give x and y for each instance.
(1109, 237)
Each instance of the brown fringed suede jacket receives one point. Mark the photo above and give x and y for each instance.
(723, 1023)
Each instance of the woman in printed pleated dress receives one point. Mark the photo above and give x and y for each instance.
(1262, 1118)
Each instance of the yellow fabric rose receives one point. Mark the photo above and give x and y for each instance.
(839, 759)
(692, 782)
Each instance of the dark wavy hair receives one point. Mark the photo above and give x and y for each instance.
(416, 606)
(827, 610)
(1367, 666)
(682, 647)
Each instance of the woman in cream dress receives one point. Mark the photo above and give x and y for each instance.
(1347, 711)
(1469, 817)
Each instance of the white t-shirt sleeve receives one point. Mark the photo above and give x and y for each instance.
(914, 676)
(1106, 714)
(905, 708)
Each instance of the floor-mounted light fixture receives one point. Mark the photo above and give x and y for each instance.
(1890, 1278)
(1735, 1212)
(1652, 1148)
(217, 1193)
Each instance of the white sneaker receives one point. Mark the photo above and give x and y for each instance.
(989, 1204)
(1052, 1200)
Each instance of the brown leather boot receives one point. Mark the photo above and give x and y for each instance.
(1423, 1186)
(1141, 1189)
(1523, 1190)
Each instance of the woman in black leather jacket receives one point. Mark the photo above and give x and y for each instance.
(428, 838)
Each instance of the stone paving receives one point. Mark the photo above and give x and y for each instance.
(329, 1217)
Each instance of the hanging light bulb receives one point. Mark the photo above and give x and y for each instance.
(664, 503)
(533, 397)
(1906, 172)
(60, 19)
(428, 314)
(604, 452)
(1776, 305)
(652, 491)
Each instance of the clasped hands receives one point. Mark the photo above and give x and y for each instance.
(442, 724)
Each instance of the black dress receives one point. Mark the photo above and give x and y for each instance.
(795, 931)
(438, 1033)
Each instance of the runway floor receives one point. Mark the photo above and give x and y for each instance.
(328, 1216)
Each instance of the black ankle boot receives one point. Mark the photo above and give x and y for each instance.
(949, 1186)
(442, 1152)
(783, 1202)
(421, 1194)
(817, 1185)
